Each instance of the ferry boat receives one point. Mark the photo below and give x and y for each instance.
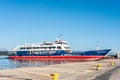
(58, 49)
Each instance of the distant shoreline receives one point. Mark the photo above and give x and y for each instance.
(4, 53)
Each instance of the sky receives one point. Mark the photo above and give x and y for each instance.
(80, 22)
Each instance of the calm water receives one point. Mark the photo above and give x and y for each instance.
(6, 63)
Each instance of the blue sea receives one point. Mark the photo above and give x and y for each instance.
(6, 63)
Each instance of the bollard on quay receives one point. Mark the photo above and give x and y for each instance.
(112, 64)
(55, 76)
(99, 66)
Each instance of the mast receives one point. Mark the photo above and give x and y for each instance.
(61, 38)
(98, 47)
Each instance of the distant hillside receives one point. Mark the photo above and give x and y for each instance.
(3, 52)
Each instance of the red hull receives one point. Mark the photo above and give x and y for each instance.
(59, 57)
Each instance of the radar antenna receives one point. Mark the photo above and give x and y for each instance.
(60, 36)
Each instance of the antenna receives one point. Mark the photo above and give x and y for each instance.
(60, 36)
(98, 47)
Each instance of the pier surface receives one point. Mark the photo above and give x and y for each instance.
(68, 71)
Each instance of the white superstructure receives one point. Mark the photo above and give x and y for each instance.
(45, 46)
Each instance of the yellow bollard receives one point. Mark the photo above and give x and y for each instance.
(99, 66)
(55, 76)
(112, 64)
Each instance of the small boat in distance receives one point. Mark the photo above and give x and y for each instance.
(58, 49)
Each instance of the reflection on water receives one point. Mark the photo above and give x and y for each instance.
(6, 63)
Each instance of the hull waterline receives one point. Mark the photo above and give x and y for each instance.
(59, 57)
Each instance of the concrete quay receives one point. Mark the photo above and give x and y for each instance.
(69, 71)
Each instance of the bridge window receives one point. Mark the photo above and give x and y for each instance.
(59, 47)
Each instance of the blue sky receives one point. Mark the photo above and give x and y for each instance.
(81, 22)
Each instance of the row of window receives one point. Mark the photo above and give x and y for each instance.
(58, 47)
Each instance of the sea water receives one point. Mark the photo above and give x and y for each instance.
(6, 63)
